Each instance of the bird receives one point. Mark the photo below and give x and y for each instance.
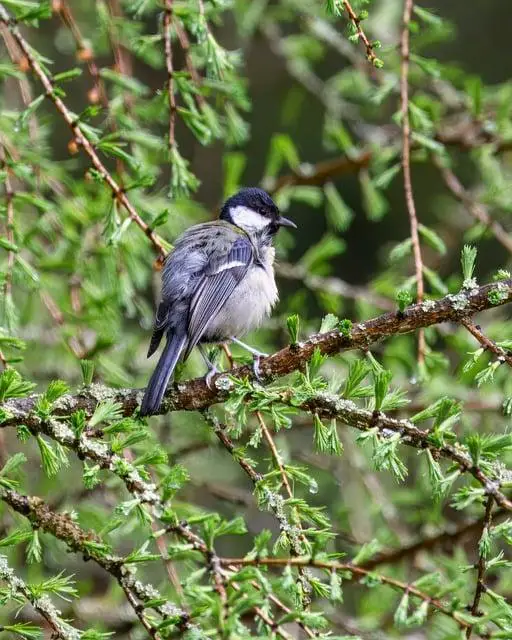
(218, 283)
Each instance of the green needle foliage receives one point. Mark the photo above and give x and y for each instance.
(363, 487)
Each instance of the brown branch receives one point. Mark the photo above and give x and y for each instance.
(474, 330)
(293, 538)
(194, 395)
(322, 172)
(81, 139)
(275, 453)
(445, 539)
(24, 86)
(170, 72)
(58, 317)
(481, 567)
(353, 569)
(406, 164)
(475, 209)
(84, 53)
(194, 74)
(9, 224)
(356, 22)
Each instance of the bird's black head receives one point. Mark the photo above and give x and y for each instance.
(254, 211)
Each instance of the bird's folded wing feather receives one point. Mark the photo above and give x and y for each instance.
(223, 273)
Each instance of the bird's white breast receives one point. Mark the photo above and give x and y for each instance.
(251, 301)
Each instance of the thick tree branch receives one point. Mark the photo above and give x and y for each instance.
(195, 395)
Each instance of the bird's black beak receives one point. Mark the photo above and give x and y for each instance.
(285, 222)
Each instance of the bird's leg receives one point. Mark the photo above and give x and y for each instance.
(256, 356)
(212, 369)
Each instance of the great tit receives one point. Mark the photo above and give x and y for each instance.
(217, 284)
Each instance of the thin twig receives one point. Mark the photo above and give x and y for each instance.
(482, 565)
(406, 164)
(275, 453)
(446, 539)
(474, 330)
(84, 53)
(356, 22)
(170, 72)
(475, 209)
(9, 224)
(321, 172)
(80, 138)
(353, 569)
(194, 74)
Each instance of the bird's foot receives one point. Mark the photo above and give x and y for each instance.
(212, 372)
(256, 357)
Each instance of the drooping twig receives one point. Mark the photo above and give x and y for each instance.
(170, 72)
(474, 330)
(356, 22)
(9, 226)
(80, 138)
(481, 567)
(194, 74)
(255, 477)
(58, 317)
(293, 539)
(406, 164)
(275, 453)
(475, 209)
(353, 569)
(84, 53)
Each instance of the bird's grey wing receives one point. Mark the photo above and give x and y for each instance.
(159, 326)
(183, 268)
(224, 272)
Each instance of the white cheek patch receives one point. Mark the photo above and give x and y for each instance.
(248, 219)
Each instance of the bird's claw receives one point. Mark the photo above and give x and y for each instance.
(256, 365)
(212, 372)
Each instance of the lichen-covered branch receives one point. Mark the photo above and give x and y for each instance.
(62, 527)
(42, 604)
(195, 395)
(347, 412)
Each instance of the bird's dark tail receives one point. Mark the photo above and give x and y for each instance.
(162, 374)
